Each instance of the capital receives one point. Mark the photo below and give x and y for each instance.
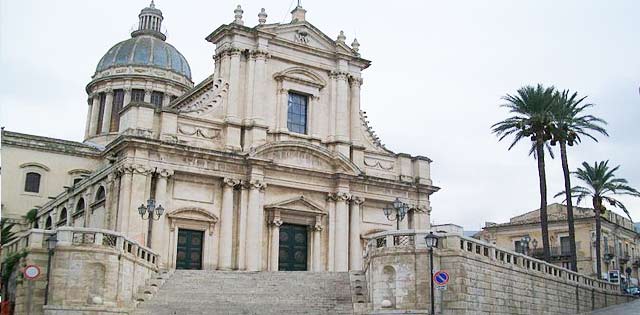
(355, 82)
(260, 54)
(343, 196)
(357, 200)
(339, 75)
(317, 227)
(276, 222)
(109, 91)
(164, 173)
(257, 184)
(230, 182)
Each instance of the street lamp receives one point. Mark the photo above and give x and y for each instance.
(153, 213)
(401, 210)
(432, 241)
(525, 244)
(51, 246)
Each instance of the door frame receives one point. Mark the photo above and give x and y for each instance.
(197, 219)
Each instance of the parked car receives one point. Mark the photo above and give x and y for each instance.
(635, 291)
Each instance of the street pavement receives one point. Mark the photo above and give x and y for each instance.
(631, 308)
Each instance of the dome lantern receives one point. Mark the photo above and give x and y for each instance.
(150, 21)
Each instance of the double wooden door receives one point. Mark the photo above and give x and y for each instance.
(189, 251)
(293, 248)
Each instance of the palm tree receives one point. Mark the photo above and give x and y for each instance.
(570, 124)
(7, 234)
(532, 118)
(601, 184)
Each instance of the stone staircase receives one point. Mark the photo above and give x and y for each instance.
(188, 292)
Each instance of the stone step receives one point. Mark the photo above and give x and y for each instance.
(264, 293)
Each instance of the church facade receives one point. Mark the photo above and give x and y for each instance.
(267, 164)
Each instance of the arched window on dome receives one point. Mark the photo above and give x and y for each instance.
(103, 99)
(157, 98)
(118, 103)
(137, 95)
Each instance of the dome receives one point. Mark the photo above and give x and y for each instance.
(145, 50)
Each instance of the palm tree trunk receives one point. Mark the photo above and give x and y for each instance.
(543, 199)
(597, 204)
(567, 189)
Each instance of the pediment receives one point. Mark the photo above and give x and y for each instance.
(194, 214)
(304, 33)
(305, 156)
(298, 204)
(301, 75)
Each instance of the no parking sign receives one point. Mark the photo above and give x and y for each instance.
(441, 278)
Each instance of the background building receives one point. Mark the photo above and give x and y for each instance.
(620, 241)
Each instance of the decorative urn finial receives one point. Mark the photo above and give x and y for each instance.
(262, 16)
(238, 15)
(355, 45)
(341, 37)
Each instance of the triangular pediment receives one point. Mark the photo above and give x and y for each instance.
(299, 204)
(305, 34)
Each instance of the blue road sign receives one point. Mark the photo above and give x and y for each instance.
(441, 277)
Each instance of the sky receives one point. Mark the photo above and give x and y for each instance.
(439, 70)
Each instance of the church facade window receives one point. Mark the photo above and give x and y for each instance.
(32, 182)
(118, 102)
(297, 113)
(137, 95)
(157, 98)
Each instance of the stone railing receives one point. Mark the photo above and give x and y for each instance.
(107, 272)
(483, 278)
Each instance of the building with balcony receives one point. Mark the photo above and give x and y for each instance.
(619, 239)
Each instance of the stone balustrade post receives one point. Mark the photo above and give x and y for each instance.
(97, 240)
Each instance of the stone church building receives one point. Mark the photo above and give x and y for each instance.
(267, 164)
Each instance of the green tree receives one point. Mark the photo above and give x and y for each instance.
(532, 118)
(7, 234)
(571, 122)
(601, 184)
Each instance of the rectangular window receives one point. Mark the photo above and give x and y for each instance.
(519, 247)
(297, 113)
(156, 98)
(32, 182)
(565, 245)
(118, 102)
(137, 95)
(103, 99)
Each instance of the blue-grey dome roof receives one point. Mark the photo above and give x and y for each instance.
(145, 50)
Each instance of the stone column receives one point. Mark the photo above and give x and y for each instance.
(254, 226)
(333, 85)
(274, 244)
(242, 226)
(355, 246)
(342, 234)
(331, 205)
(139, 194)
(283, 95)
(127, 97)
(87, 129)
(226, 224)
(234, 84)
(106, 117)
(355, 110)
(317, 247)
(342, 107)
(259, 97)
(122, 217)
(147, 95)
(160, 237)
(94, 129)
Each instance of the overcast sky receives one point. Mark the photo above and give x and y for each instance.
(439, 69)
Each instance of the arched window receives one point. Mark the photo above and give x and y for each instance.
(32, 182)
(35, 225)
(100, 195)
(80, 205)
(47, 225)
(63, 217)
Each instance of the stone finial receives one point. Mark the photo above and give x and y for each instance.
(355, 45)
(238, 15)
(152, 5)
(262, 16)
(341, 37)
(298, 14)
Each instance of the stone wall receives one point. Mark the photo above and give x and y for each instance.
(484, 279)
(93, 272)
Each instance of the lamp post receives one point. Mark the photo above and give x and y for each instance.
(51, 246)
(432, 241)
(525, 244)
(153, 213)
(401, 210)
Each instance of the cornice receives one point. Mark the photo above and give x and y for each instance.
(47, 144)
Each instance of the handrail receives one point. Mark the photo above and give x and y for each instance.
(410, 239)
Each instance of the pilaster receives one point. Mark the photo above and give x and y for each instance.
(355, 245)
(274, 243)
(255, 215)
(317, 246)
(226, 224)
(342, 231)
(106, 117)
